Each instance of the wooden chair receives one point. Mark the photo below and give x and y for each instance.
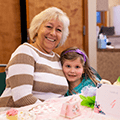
(2, 82)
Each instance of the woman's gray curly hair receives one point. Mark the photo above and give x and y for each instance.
(46, 15)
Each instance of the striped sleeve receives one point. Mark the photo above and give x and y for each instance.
(20, 71)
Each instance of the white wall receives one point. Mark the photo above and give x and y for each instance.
(112, 3)
(92, 33)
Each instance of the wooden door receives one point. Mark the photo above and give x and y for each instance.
(10, 30)
(74, 10)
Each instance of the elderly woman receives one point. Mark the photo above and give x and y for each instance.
(34, 73)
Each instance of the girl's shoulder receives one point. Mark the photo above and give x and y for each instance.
(87, 81)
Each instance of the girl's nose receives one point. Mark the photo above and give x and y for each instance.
(72, 70)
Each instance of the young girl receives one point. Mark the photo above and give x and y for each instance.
(77, 70)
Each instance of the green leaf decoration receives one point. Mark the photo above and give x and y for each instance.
(92, 106)
(88, 101)
(82, 97)
(118, 79)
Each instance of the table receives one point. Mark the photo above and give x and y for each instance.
(52, 109)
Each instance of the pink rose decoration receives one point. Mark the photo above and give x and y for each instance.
(12, 112)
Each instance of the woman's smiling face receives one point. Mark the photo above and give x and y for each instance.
(49, 35)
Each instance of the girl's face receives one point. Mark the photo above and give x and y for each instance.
(73, 70)
(49, 35)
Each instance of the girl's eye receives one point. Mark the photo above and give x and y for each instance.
(68, 66)
(77, 66)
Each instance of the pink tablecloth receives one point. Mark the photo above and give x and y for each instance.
(52, 108)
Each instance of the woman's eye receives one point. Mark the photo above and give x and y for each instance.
(48, 26)
(59, 30)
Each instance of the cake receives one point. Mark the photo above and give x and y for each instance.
(14, 114)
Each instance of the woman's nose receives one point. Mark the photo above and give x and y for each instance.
(53, 32)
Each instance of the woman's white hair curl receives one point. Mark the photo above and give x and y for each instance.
(46, 15)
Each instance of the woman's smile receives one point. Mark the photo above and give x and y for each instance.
(50, 39)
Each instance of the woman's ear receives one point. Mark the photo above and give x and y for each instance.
(35, 36)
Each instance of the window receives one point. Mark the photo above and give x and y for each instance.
(98, 15)
(101, 17)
